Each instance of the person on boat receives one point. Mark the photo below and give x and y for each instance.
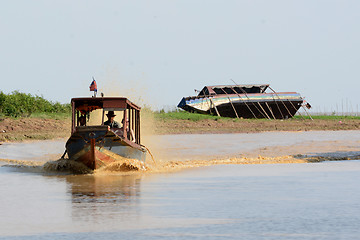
(82, 120)
(130, 132)
(111, 120)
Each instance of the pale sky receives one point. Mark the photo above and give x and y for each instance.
(162, 50)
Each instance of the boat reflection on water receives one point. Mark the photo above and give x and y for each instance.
(112, 188)
(98, 195)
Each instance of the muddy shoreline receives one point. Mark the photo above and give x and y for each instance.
(14, 130)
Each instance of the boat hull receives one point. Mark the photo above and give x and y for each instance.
(271, 110)
(98, 147)
(266, 105)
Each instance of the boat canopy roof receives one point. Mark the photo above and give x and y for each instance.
(233, 89)
(88, 104)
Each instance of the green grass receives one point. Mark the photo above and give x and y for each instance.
(46, 115)
(183, 115)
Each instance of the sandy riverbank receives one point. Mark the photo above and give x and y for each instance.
(40, 129)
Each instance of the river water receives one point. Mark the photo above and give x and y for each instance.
(234, 201)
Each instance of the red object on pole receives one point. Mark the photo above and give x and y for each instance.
(93, 86)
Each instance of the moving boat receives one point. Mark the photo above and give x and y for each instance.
(95, 144)
(244, 101)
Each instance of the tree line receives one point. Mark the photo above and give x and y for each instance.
(18, 104)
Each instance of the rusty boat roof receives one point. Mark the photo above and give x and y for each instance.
(88, 104)
(224, 89)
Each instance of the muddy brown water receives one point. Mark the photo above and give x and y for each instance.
(199, 189)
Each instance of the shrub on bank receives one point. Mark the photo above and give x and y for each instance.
(17, 104)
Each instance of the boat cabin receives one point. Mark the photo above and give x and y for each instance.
(90, 112)
(233, 89)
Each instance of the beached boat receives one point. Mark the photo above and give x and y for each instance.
(96, 144)
(243, 101)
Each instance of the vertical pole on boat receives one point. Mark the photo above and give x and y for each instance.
(282, 116)
(73, 117)
(207, 101)
(132, 119)
(77, 118)
(102, 118)
(249, 98)
(281, 101)
(277, 105)
(296, 110)
(125, 123)
(264, 111)
(136, 127)
(245, 103)
(217, 112)
(291, 105)
(270, 110)
(307, 112)
(137, 130)
(211, 104)
(231, 103)
(137, 116)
